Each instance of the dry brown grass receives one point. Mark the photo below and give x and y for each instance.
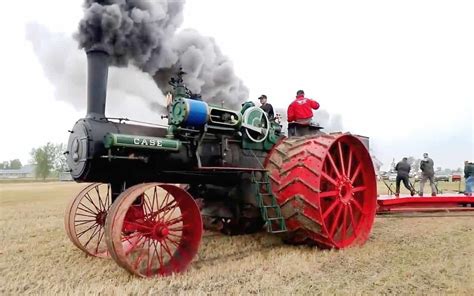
(403, 256)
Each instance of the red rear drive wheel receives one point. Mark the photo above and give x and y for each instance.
(326, 188)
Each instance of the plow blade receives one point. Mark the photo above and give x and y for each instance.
(440, 203)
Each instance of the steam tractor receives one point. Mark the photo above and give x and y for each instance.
(154, 188)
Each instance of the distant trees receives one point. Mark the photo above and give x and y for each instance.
(48, 158)
(14, 164)
(414, 163)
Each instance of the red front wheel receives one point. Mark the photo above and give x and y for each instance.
(154, 229)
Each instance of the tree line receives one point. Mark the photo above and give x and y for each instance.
(47, 159)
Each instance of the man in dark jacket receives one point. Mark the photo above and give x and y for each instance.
(403, 172)
(427, 173)
(266, 107)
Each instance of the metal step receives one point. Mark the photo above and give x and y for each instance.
(273, 224)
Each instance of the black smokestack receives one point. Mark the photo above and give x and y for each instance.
(97, 72)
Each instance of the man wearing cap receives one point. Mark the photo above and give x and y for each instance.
(300, 110)
(300, 113)
(427, 173)
(266, 107)
(403, 172)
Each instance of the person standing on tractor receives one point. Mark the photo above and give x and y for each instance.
(403, 172)
(268, 108)
(427, 173)
(300, 113)
(469, 177)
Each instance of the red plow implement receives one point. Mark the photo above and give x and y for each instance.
(387, 204)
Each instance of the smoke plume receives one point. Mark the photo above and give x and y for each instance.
(131, 92)
(144, 33)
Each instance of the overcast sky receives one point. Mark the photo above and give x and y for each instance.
(400, 72)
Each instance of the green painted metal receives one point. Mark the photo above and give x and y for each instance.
(141, 142)
(224, 117)
(266, 201)
(178, 112)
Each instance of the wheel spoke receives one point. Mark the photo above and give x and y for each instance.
(164, 201)
(349, 165)
(341, 158)
(169, 213)
(155, 197)
(82, 222)
(101, 205)
(133, 245)
(149, 260)
(94, 233)
(155, 252)
(108, 198)
(359, 189)
(175, 235)
(165, 209)
(328, 194)
(173, 242)
(86, 209)
(141, 253)
(84, 215)
(161, 258)
(84, 231)
(336, 219)
(357, 204)
(331, 160)
(344, 224)
(331, 180)
(354, 226)
(99, 239)
(356, 173)
(138, 225)
(168, 250)
(87, 196)
(331, 207)
(174, 221)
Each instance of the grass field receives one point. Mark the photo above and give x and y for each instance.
(432, 255)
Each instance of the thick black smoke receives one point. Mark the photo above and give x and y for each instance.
(131, 93)
(143, 33)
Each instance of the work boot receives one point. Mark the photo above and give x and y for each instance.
(433, 194)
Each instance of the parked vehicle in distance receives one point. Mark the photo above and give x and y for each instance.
(442, 177)
(392, 177)
(456, 178)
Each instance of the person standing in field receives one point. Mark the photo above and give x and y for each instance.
(427, 173)
(403, 172)
(469, 177)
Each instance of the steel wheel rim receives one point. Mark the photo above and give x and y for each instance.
(85, 219)
(158, 236)
(348, 195)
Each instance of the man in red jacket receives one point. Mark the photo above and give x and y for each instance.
(300, 113)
